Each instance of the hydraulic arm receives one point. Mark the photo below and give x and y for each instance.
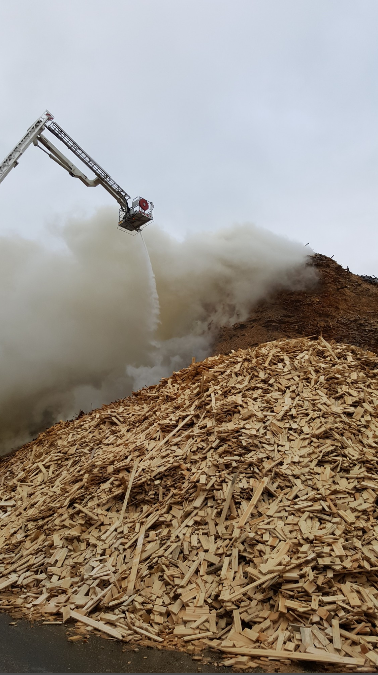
(131, 218)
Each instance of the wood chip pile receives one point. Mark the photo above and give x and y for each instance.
(233, 505)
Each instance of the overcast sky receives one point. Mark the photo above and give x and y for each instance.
(219, 111)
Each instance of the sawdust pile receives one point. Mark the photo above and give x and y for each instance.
(232, 505)
(342, 306)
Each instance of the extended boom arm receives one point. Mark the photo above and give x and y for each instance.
(130, 218)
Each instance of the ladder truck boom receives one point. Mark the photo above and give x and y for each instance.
(132, 218)
(32, 133)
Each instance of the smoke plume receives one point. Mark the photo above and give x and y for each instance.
(82, 324)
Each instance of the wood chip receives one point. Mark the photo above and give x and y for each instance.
(234, 503)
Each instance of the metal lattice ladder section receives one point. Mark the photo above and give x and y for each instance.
(32, 133)
(107, 181)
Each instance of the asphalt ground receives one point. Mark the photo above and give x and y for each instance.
(41, 648)
(47, 648)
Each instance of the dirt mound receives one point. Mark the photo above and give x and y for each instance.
(232, 505)
(342, 306)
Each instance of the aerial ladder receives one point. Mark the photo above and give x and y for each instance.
(132, 218)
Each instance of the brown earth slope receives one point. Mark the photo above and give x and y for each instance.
(341, 306)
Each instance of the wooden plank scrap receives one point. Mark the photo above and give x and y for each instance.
(228, 498)
(99, 625)
(192, 569)
(256, 496)
(4, 583)
(135, 563)
(315, 655)
(336, 633)
(128, 491)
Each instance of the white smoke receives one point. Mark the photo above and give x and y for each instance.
(81, 325)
